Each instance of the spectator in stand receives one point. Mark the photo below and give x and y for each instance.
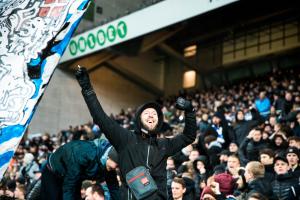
(224, 157)
(233, 165)
(279, 142)
(75, 162)
(233, 147)
(29, 167)
(255, 181)
(194, 155)
(214, 147)
(267, 159)
(134, 147)
(292, 155)
(285, 186)
(219, 129)
(94, 192)
(263, 104)
(201, 173)
(20, 192)
(178, 189)
(294, 141)
(249, 149)
(288, 104)
(212, 192)
(84, 186)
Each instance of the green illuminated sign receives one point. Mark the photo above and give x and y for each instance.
(99, 37)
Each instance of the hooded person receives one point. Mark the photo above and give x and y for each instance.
(75, 162)
(141, 147)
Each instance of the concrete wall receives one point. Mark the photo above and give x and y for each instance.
(62, 104)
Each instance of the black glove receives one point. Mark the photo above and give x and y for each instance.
(83, 79)
(185, 105)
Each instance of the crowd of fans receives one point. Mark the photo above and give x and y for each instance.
(247, 145)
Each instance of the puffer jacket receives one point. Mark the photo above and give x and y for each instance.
(286, 187)
(80, 160)
(133, 147)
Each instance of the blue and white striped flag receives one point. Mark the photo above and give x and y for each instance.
(33, 37)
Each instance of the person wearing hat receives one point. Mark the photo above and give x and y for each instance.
(201, 173)
(141, 147)
(292, 155)
(75, 162)
(266, 157)
(212, 192)
(285, 185)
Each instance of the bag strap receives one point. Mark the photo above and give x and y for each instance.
(148, 157)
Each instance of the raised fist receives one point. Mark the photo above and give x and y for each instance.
(185, 105)
(83, 79)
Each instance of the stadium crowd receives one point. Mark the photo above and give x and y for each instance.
(247, 145)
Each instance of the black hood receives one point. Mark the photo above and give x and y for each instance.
(138, 123)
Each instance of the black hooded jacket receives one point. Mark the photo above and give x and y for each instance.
(133, 146)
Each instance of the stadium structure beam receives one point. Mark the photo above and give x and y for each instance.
(158, 37)
(92, 61)
(149, 87)
(173, 53)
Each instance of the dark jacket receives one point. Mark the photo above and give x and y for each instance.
(249, 150)
(259, 185)
(242, 128)
(80, 160)
(269, 173)
(133, 146)
(286, 187)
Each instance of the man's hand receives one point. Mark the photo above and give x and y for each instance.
(83, 79)
(185, 105)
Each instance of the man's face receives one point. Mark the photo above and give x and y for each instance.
(265, 159)
(233, 163)
(257, 136)
(281, 167)
(233, 147)
(111, 165)
(216, 120)
(240, 116)
(262, 95)
(88, 194)
(288, 96)
(294, 143)
(194, 154)
(170, 164)
(200, 165)
(292, 158)
(248, 174)
(177, 190)
(149, 118)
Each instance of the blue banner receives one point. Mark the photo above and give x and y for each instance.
(33, 37)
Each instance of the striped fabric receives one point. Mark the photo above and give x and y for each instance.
(33, 37)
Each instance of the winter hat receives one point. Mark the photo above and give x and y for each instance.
(282, 158)
(139, 126)
(293, 150)
(207, 190)
(113, 155)
(201, 158)
(219, 169)
(218, 115)
(226, 182)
